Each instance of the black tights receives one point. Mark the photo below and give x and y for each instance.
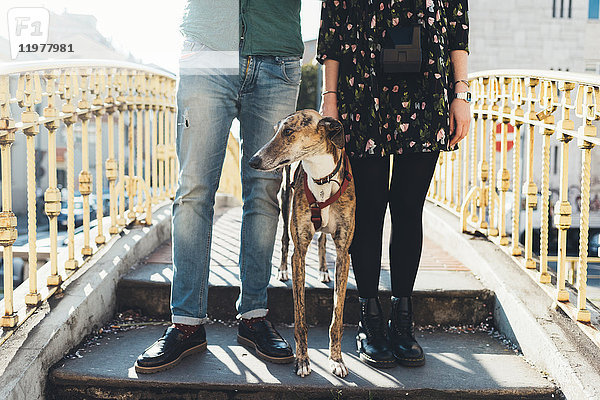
(411, 175)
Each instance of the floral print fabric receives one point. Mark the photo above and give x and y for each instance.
(392, 113)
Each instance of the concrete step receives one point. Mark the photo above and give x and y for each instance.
(446, 292)
(459, 366)
(440, 297)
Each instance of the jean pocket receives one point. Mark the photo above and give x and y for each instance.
(291, 70)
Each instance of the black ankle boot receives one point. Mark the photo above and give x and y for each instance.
(371, 340)
(402, 338)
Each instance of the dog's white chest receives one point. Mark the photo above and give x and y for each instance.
(322, 193)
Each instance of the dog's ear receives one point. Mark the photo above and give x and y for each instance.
(334, 131)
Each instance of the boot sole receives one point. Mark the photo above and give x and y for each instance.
(250, 345)
(411, 362)
(150, 370)
(374, 363)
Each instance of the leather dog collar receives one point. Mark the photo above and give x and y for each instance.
(329, 177)
(317, 206)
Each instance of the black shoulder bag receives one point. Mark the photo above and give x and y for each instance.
(401, 51)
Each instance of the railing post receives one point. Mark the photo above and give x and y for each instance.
(476, 107)
(31, 95)
(52, 197)
(493, 110)
(518, 94)
(98, 103)
(85, 178)
(562, 209)
(459, 172)
(529, 187)
(70, 87)
(121, 90)
(441, 190)
(585, 108)
(155, 159)
(131, 187)
(451, 168)
(546, 100)
(483, 165)
(147, 165)
(111, 163)
(8, 220)
(503, 175)
(139, 106)
(161, 153)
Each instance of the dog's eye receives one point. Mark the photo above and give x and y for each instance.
(286, 132)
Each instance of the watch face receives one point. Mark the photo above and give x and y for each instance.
(466, 96)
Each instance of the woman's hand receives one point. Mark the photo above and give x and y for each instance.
(460, 119)
(329, 107)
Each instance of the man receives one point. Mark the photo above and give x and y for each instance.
(259, 89)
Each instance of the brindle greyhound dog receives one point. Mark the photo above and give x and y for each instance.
(323, 200)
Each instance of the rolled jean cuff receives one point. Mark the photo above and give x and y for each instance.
(178, 319)
(257, 313)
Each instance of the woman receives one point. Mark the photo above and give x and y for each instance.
(412, 116)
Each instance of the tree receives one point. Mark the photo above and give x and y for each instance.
(307, 98)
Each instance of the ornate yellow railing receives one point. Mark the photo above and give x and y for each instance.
(91, 101)
(478, 184)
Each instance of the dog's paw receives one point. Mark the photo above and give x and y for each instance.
(324, 275)
(283, 276)
(302, 366)
(338, 368)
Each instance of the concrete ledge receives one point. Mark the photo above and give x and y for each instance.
(89, 299)
(523, 311)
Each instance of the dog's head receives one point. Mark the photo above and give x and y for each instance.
(300, 135)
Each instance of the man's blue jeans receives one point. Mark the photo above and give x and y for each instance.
(264, 92)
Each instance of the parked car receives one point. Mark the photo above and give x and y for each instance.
(594, 243)
(78, 211)
(19, 273)
(65, 241)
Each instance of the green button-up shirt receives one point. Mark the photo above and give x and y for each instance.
(271, 27)
(267, 27)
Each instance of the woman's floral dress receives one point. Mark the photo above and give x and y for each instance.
(392, 114)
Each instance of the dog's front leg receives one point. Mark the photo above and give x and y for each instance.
(285, 215)
(300, 329)
(342, 265)
(323, 272)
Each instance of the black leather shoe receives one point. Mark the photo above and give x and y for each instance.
(402, 338)
(371, 339)
(260, 335)
(170, 349)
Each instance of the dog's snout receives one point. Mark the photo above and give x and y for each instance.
(255, 161)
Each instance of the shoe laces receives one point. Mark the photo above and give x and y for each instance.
(402, 324)
(374, 327)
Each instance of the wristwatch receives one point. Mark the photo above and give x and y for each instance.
(466, 96)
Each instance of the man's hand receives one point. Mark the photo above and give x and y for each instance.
(329, 106)
(460, 119)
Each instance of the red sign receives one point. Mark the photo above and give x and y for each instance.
(509, 140)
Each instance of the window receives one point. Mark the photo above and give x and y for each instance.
(594, 9)
(562, 8)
